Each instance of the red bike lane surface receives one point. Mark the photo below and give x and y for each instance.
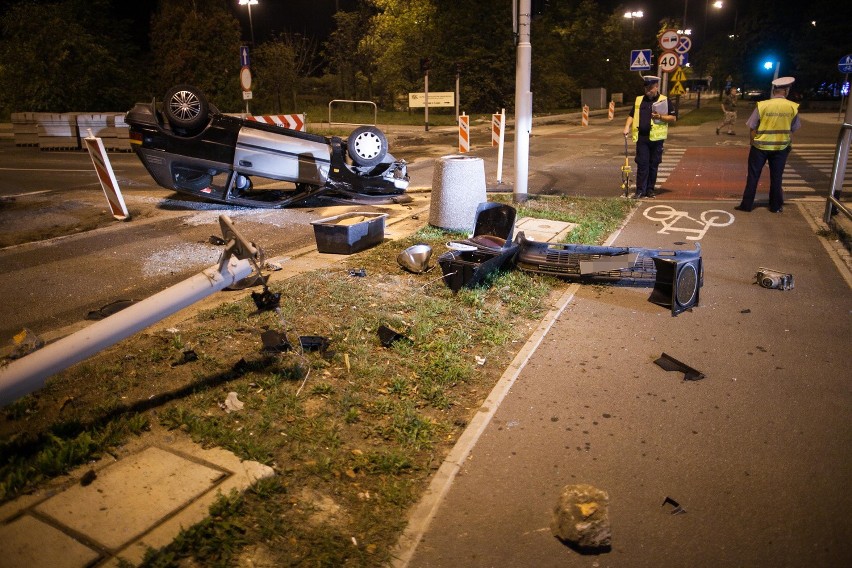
(715, 172)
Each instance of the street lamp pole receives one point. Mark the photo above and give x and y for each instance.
(632, 17)
(249, 3)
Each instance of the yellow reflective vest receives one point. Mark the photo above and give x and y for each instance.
(776, 119)
(658, 131)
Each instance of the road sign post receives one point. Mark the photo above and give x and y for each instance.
(640, 60)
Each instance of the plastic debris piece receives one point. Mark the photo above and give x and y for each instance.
(313, 343)
(676, 508)
(88, 478)
(275, 342)
(359, 272)
(24, 343)
(266, 300)
(479, 360)
(215, 240)
(109, 309)
(187, 356)
(232, 403)
(745, 311)
(388, 336)
(669, 363)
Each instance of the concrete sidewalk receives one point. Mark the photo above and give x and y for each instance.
(758, 452)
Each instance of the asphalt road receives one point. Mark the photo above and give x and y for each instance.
(757, 452)
(50, 284)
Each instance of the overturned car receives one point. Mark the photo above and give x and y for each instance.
(191, 147)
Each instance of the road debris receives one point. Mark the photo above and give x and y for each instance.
(769, 278)
(232, 403)
(669, 363)
(676, 509)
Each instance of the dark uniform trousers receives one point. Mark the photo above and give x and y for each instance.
(756, 160)
(648, 157)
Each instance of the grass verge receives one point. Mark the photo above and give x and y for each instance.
(354, 432)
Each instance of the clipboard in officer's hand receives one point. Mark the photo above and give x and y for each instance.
(661, 108)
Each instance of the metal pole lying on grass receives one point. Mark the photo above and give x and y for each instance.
(30, 373)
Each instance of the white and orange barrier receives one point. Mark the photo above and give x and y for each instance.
(103, 168)
(498, 136)
(464, 133)
(585, 115)
(498, 123)
(611, 114)
(291, 121)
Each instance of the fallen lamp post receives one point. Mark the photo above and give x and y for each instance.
(29, 373)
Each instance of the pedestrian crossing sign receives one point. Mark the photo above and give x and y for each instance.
(677, 89)
(640, 60)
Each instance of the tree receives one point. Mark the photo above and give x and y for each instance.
(282, 64)
(197, 42)
(65, 56)
(475, 40)
(400, 33)
(576, 45)
(341, 51)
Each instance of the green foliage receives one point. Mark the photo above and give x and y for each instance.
(197, 43)
(66, 56)
(400, 33)
(27, 462)
(215, 541)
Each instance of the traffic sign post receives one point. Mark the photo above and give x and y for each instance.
(245, 75)
(684, 44)
(668, 61)
(669, 40)
(845, 66)
(640, 60)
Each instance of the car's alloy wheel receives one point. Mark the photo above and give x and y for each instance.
(186, 108)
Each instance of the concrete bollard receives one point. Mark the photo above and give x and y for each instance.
(458, 187)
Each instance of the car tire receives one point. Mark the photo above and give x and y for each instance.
(192, 180)
(367, 146)
(186, 108)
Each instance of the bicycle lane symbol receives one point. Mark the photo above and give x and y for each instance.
(670, 217)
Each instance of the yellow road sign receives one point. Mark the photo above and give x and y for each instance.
(678, 75)
(677, 89)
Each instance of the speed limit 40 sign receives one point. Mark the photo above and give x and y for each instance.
(668, 61)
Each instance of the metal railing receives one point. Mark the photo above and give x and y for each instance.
(375, 112)
(838, 171)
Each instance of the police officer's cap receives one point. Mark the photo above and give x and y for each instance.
(650, 79)
(783, 82)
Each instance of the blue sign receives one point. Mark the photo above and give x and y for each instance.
(640, 59)
(244, 56)
(683, 59)
(845, 64)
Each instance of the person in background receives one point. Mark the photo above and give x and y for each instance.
(649, 125)
(729, 111)
(772, 124)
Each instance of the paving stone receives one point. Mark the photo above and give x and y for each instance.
(28, 542)
(127, 498)
(543, 230)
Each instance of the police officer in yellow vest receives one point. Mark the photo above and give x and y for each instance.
(772, 123)
(649, 125)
